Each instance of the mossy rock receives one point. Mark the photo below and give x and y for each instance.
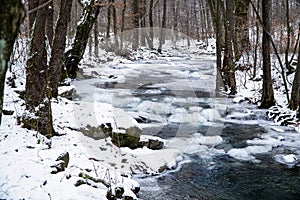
(129, 139)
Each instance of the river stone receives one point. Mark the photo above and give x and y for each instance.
(67, 92)
(119, 191)
(127, 132)
(64, 157)
(151, 144)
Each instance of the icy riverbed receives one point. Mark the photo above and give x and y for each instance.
(173, 99)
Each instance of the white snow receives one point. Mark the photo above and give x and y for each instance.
(26, 158)
(290, 160)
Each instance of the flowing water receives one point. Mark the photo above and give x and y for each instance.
(176, 98)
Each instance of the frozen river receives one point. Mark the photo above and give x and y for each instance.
(231, 150)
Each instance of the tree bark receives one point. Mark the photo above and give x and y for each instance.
(96, 41)
(143, 22)
(135, 13)
(267, 99)
(58, 47)
(114, 14)
(108, 19)
(215, 11)
(75, 54)
(38, 114)
(228, 65)
(11, 16)
(123, 21)
(288, 27)
(256, 44)
(151, 24)
(162, 36)
(50, 23)
(32, 5)
(295, 95)
(242, 42)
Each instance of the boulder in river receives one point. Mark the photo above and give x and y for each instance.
(127, 132)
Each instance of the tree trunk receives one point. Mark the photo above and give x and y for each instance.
(242, 42)
(295, 95)
(228, 65)
(215, 11)
(11, 16)
(256, 44)
(38, 114)
(49, 22)
(96, 41)
(135, 13)
(175, 18)
(288, 27)
(75, 54)
(114, 14)
(267, 99)
(123, 15)
(162, 36)
(143, 22)
(32, 5)
(151, 24)
(108, 19)
(58, 47)
(123, 21)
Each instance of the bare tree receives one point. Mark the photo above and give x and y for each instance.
(215, 10)
(50, 22)
(228, 64)
(75, 54)
(108, 19)
(38, 114)
(58, 47)
(241, 41)
(163, 27)
(151, 24)
(32, 5)
(11, 16)
(288, 26)
(136, 24)
(295, 95)
(267, 99)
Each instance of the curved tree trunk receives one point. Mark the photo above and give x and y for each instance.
(38, 114)
(75, 54)
(58, 47)
(11, 16)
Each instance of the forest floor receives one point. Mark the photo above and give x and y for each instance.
(28, 160)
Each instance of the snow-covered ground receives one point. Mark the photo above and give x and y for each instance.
(98, 165)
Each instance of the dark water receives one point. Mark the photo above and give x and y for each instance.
(219, 177)
(227, 179)
(222, 177)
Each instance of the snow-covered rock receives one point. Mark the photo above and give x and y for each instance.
(290, 159)
(211, 114)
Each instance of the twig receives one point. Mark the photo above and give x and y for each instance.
(39, 7)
